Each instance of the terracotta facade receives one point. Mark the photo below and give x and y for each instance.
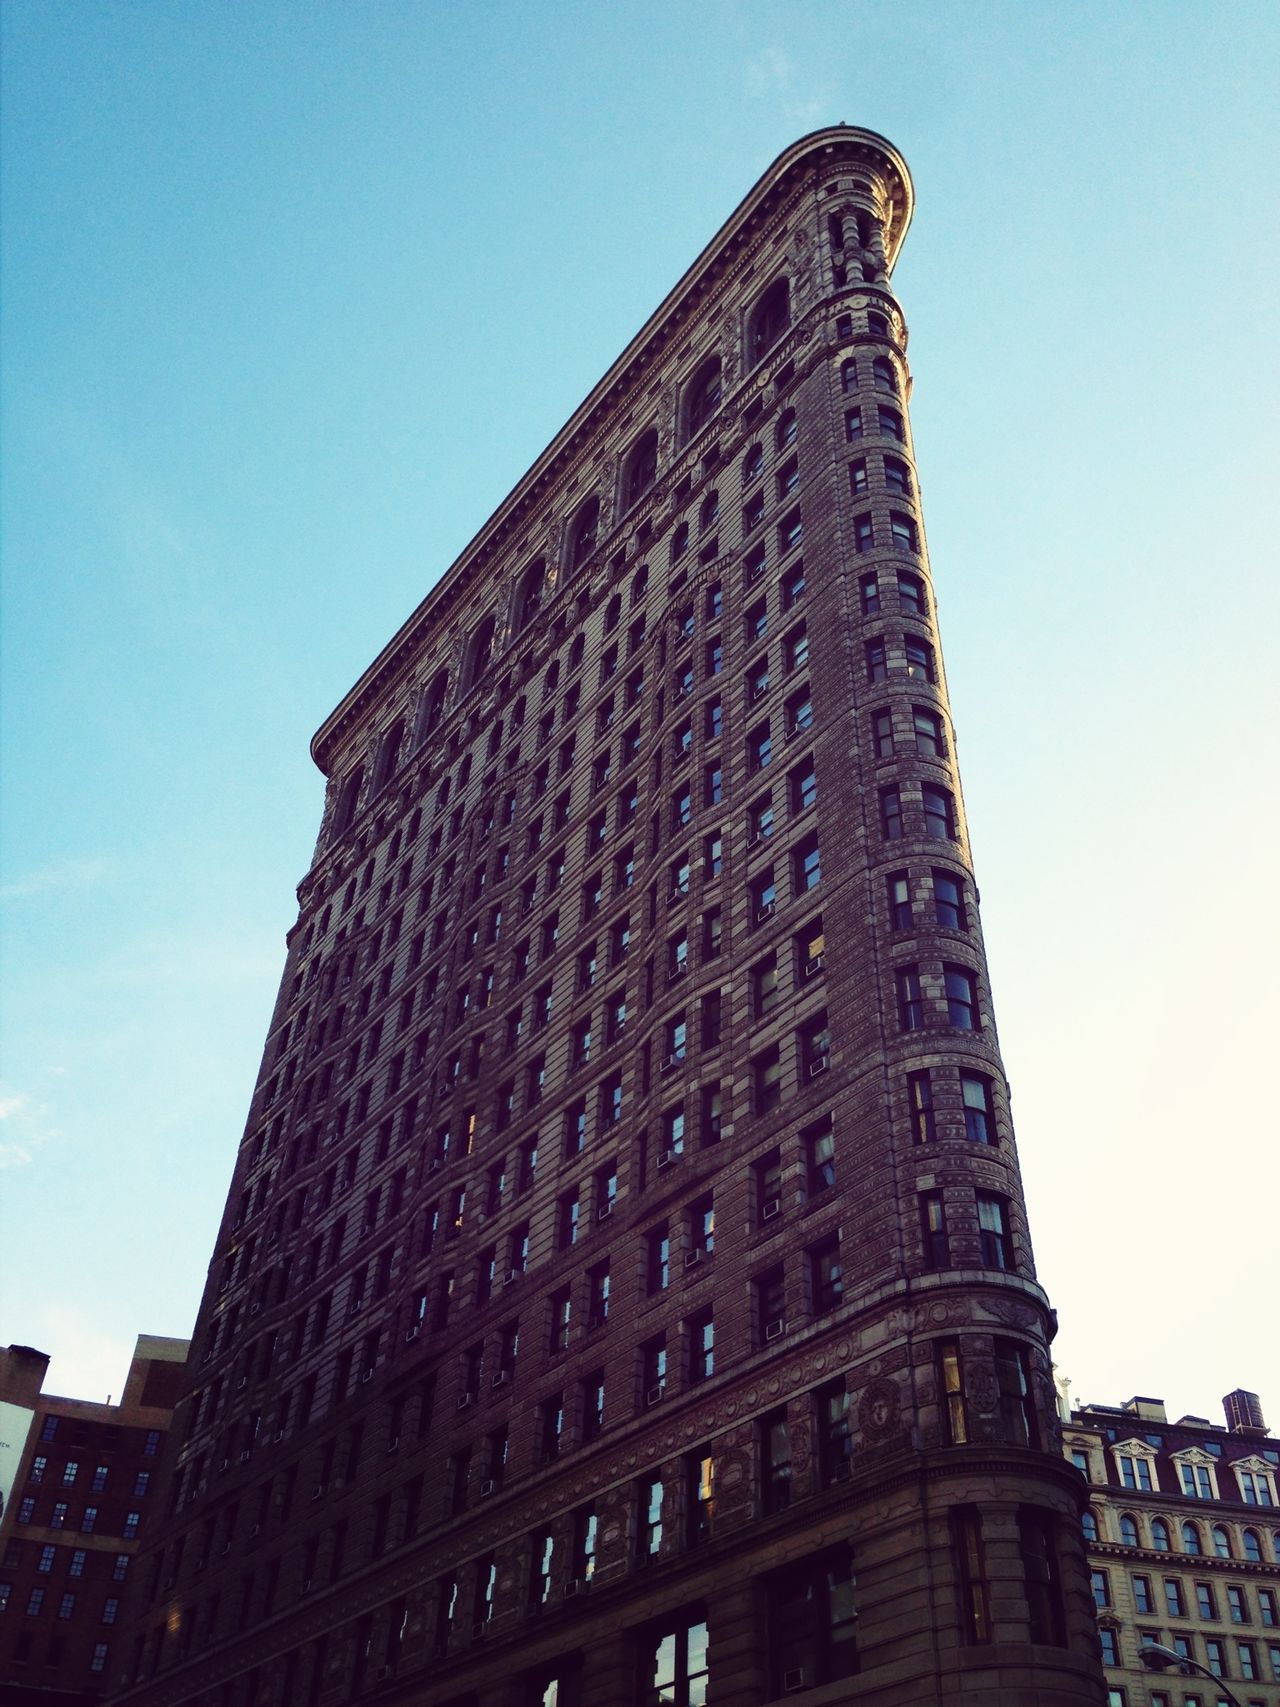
(625, 1293)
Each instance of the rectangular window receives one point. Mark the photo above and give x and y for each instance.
(933, 1230)
(979, 1114)
(806, 865)
(930, 737)
(951, 1400)
(890, 814)
(835, 1438)
(899, 892)
(882, 733)
(812, 1623)
(920, 1099)
(1013, 1384)
(649, 1519)
(919, 656)
(993, 1227)
(910, 998)
(897, 476)
(653, 1369)
(826, 1276)
(673, 1664)
(819, 1143)
(971, 1578)
(770, 1304)
(961, 989)
(1038, 1548)
(766, 1081)
(767, 1178)
(701, 1339)
(903, 532)
(803, 786)
(948, 901)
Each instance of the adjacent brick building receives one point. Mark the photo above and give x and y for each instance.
(79, 1485)
(1183, 1534)
(624, 1293)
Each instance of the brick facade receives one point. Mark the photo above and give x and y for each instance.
(86, 1478)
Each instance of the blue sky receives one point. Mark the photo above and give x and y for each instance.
(294, 293)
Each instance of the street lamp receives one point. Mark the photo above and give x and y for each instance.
(1156, 1657)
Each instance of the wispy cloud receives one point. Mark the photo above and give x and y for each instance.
(24, 1127)
(772, 75)
(58, 875)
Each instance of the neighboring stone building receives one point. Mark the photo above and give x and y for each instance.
(624, 1293)
(78, 1481)
(1183, 1533)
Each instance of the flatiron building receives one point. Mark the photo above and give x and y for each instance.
(625, 1293)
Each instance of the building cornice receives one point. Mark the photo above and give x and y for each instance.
(837, 144)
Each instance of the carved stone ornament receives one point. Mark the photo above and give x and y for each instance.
(980, 1385)
(878, 1410)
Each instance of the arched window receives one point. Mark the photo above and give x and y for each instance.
(1159, 1535)
(442, 794)
(1221, 1542)
(679, 542)
(577, 651)
(582, 536)
(479, 653)
(641, 468)
(348, 794)
(639, 585)
(551, 680)
(532, 590)
(883, 377)
(613, 613)
(752, 464)
(769, 319)
(849, 375)
(1089, 1524)
(388, 754)
(703, 396)
(431, 702)
(1128, 1530)
(1253, 1547)
(1191, 1538)
(709, 514)
(785, 431)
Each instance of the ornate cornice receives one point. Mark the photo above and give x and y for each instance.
(839, 145)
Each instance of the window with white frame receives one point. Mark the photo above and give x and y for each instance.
(1135, 1464)
(1256, 1481)
(1197, 1474)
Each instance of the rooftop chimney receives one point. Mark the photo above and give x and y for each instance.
(1150, 1410)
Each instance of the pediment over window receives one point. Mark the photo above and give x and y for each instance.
(1133, 1448)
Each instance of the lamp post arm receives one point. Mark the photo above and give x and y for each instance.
(1224, 1693)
